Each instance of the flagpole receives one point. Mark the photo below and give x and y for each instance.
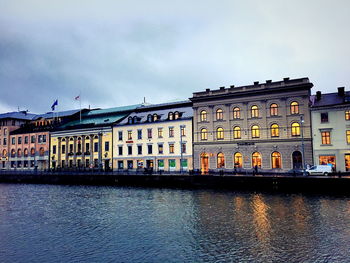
(80, 105)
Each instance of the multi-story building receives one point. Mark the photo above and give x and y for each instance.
(330, 115)
(29, 145)
(87, 142)
(264, 125)
(9, 122)
(155, 137)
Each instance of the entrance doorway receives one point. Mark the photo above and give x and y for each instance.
(204, 163)
(297, 160)
(149, 163)
(106, 165)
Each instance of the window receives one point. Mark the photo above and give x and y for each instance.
(120, 135)
(237, 132)
(274, 130)
(183, 131)
(96, 147)
(87, 147)
(273, 109)
(255, 131)
(63, 149)
(106, 147)
(40, 138)
(129, 150)
(220, 133)
(254, 111)
(155, 117)
(204, 134)
(5, 141)
(13, 140)
(221, 160)
(327, 160)
(348, 136)
(161, 164)
(149, 133)
(324, 117)
(160, 148)
(32, 139)
(219, 114)
(295, 129)
(347, 115)
(26, 139)
(238, 160)
(183, 148)
(44, 138)
(130, 164)
(139, 149)
(4, 153)
(139, 134)
(120, 150)
(19, 140)
(236, 113)
(149, 118)
(171, 131)
(172, 164)
(176, 116)
(294, 108)
(129, 135)
(276, 160)
(54, 149)
(256, 159)
(120, 165)
(70, 148)
(13, 153)
(130, 120)
(204, 115)
(5, 131)
(171, 148)
(41, 151)
(347, 162)
(149, 148)
(326, 137)
(170, 116)
(19, 153)
(160, 132)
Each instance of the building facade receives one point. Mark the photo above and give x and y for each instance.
(157, 137)
(87, 143)
(266, 126)
(8, 123)
(330, 115)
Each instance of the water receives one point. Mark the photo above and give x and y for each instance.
(48, 223)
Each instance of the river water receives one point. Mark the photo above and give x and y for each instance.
(49, 223)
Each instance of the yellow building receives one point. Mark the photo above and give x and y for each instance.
(87, 143)
(155, 137)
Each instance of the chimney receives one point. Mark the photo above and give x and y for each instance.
(207, 90)
(341, 91)
(285, 79)
(222, 88)
(318, 95)
(256, 83)
(232, 86)
(268, 81)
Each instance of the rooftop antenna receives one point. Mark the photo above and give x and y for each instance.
(144, 100)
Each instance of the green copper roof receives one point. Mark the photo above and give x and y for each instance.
(112, 110)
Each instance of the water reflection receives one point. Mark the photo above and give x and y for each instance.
(105, 224)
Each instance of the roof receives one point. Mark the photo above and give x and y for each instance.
(49, 115)
(330, 99)
(111, 110)
(20, 115)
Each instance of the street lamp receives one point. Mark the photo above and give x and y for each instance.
(302, 144)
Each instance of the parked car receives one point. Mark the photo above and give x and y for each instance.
(296, 171)
(319, 170)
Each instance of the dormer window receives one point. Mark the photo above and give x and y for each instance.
(130, 120)
(135, 119)
(155, 117)
(171, 116)
(177, 115)
(149, 118)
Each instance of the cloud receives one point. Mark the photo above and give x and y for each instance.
(116, 52)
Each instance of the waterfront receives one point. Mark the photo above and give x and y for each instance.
(55, 223)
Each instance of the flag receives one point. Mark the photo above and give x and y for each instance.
(55, 103)
(77, 97)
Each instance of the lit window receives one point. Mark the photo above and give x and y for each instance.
(236, 132)
(220, 133)
(160, 132)
(347, 115)
(155, 117)
(204, 115)
(254, 111)
(160, 148)
(347, 162)
(348, 137)
(238, 160)
(183, 148)
(170, 116)
(255, 131)
(129, 135)
(171, 131)
(273, 109)
(221, 160)
(295, 129)
(4, 153)
(183, 131)
(219, 114)
(326, 137)
(176, 115)
(276, 160)
(327, 160)
(274, 130)
(236, 113)
(294, 108)
(171, 148)
(204, 134)
(256, 159)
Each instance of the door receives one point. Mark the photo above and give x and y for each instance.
(297, 160)
(204, 163)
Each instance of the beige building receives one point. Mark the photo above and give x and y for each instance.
(330, 115)
(261, 125)
(155, 137)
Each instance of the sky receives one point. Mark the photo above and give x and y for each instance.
(115, 53)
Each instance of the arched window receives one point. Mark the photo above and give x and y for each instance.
(295, 129)
(204, 115)
(5, 131)
(220, 133)
(155, 117)
(221, 160)
(294, 108)
(25, 152)
(236, 113)
(130, 120)
(4, 153)
(276, 160)
(32, 152)
(237, 132)
(347, 115)
(238, 160)
(170, 116)
(176, 115)
(274, 130)
(273, 109)
(256, 159)
(41, 151)
(254, 111)
(255, 131)
(13, 153)
(134, 119)
(149, 118)
(219, 114)
(204, 134)
(19, 153)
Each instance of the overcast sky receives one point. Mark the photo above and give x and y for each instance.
(117, 52)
